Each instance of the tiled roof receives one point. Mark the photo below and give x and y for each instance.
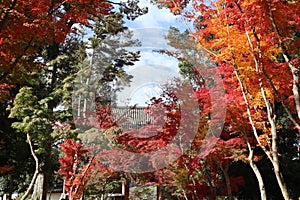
(128, 118)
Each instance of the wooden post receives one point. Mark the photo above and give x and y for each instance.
(125, 189)
(159, 193)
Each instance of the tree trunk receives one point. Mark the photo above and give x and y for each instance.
(276, 165)
(227, 180)
(39, 181)
(272, 120)
(275, 160)
(36, 172)
(159, 194)
(262, 189)
(271, 116)
(38, 187)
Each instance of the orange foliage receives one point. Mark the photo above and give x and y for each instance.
(248, 43)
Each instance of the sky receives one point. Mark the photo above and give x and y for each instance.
(153, 69)
(155, 18)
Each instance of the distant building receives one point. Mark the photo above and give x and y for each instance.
(132, 118)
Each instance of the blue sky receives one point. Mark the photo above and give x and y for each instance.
(153, 69)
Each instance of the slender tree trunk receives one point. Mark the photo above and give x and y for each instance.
(158, 193)
(262, 189)
(275, 159)
(47, 170)
(295, 90)
(253, 166)
(271, 118)
(227, 180)
(36, 172)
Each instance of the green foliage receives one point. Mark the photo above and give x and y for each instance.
(102, 187)
(33, 116)
(186, 70)
(143, 192)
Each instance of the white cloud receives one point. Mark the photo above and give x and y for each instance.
(144, 93)
(153, 69)
(146, 82)
(155, 18)
(151, 37)
(155, 59)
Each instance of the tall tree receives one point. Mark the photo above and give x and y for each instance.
(99, 76)
(34, 106)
